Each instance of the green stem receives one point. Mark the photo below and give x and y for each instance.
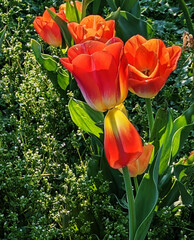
(131, 203)
(150, 114)
(187, 16)
(136, 184)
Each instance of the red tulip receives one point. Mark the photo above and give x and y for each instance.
(48, 30)
(122, 142)
(100, 71)
(139, 166)
(92, 27)
(149, 64)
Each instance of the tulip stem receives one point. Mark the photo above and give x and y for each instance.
(131, 203)
(150, 114)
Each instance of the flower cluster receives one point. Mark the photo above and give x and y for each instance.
(105, 69)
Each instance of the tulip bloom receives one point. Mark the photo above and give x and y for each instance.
(92, 27)
(122, 142)
(48, 30)
(149, 63)
(139, 166)
(100, 71)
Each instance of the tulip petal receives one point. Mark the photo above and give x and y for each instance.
(96, 81)
(131, 47)
(67, 64)
(88, 47)
(122, 142)
(92, 27)
(139, 166)
(174, 53)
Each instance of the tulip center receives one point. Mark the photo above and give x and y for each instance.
(146, 71)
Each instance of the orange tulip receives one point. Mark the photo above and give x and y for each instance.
(77, 3)
(149, 64)
(92, 27)
(100, 71)
(48, 30)
(122, 142)
(139, 166)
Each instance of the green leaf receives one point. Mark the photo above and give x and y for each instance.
(2, 35)
(185, 196)
(63, 26)
(181, 129)
(112, 4)
(85, 117)
(159, 127)
(161, 136)
(72, 14)
(96, 6)
(179, 138)
(45, 60)
(127, 25)
(146, 199)
(85, 4)
(128, 5)
(171, 196)
(63, 78)
(171, 135)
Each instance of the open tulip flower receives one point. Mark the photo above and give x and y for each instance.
(48, 30)
(139, 166)
(92, 27)
(122, 142)
(150, 63)
(100, 71)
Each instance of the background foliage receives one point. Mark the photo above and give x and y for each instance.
(45, 191)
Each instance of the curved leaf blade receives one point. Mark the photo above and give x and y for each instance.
(85, 117)
(146, 199)
(45, 60)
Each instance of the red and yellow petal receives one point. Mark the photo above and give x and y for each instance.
(122, 142)
(97, 79)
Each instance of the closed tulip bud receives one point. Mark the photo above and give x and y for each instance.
(47, 28)
(122, 142)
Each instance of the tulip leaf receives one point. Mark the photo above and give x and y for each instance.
(44, 59)
(85, 4)
(171, 135)
(181, 129)
(63, 26)
(112, 4)
(185, 196)
(63, 78)
(161, 136)
(127, 25)
(171, 196)
(85, 117)
(72, 14)
(179, 138)
(96, 6)
(131, 6)
(2, 35)
(146, 199)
